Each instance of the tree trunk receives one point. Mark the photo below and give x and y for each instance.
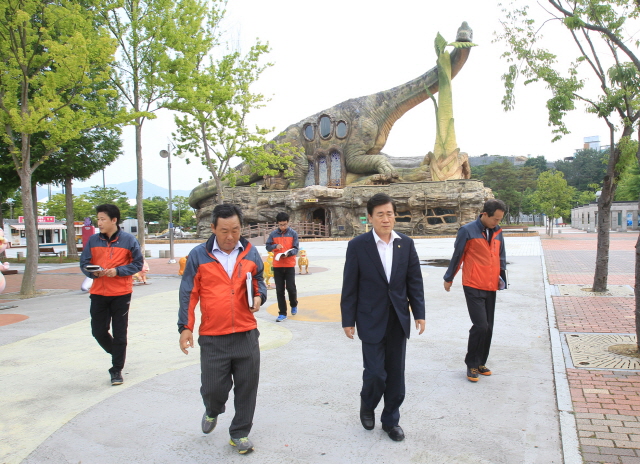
(219, 197)
(637, 288)
(602, 253)
(72, 250)
(28, 287)
(604, 213)
(140, 185)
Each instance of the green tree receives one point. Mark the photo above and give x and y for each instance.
(183, 214)
(145, 31)
(79, 159)
(477, 172)
(9, 183)
(629, 187)
(539, 163)
(553, 197)
(598, 30)
(587, 167)
(215, 105)
(57, 206)
(586, 196)
(509, 183)
(529, 206)
(101, 195)
(50, 54)
(156, 209)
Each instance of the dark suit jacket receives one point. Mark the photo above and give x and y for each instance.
(366, 293)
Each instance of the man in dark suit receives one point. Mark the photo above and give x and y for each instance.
(382, 277)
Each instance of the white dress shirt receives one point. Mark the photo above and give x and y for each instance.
(228, 260)
(386, 252)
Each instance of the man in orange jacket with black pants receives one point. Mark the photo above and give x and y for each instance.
(284, 240)
(119, 257)
(479, 249)
(219, 275)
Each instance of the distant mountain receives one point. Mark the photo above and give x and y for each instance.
(149, 190)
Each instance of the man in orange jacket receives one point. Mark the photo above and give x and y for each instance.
(284, 240)
(218, 275)
(119, 257)
(479, 249)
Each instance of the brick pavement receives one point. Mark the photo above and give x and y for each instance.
(606, 402)
(595, 314)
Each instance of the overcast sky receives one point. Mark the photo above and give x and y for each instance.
(327, 52)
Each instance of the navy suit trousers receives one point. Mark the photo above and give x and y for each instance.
(384, 371)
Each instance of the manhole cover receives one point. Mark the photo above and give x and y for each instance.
(603, 351)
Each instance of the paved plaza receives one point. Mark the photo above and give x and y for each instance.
(538, 407)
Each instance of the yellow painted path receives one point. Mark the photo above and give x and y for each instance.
(317, 308)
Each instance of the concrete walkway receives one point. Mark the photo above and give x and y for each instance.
(58, 406)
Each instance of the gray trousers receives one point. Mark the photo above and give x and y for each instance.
(225, 360)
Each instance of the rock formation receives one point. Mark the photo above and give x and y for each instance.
(424, 208)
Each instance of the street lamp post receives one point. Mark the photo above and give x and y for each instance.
(167, 154)
(10, 202)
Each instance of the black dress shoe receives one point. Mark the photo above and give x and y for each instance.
(367, 417)
(395, 433)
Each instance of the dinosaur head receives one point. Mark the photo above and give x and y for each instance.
(465, 34)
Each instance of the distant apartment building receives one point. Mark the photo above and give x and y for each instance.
(592, 143)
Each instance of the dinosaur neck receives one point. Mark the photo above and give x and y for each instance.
(392, 104)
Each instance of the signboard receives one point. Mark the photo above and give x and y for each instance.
(363, 219)
(41, 219)
(311, 200)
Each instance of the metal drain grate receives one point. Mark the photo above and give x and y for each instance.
(583, 290)
(591, 351)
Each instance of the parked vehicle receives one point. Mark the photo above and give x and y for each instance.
(177, 233)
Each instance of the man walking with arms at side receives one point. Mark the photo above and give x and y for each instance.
(382, 278)
(479, 249)
(284, 240)
(118, 256)
(218, 274)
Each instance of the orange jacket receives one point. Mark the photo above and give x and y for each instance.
(481, 261)
(120, 251)
(224, 305)
(289, 240)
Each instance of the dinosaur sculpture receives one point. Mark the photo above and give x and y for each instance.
(344, 143)
(446, 162)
